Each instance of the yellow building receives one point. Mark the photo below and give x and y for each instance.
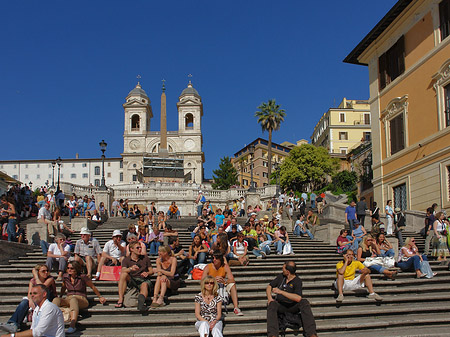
(342, 129)
(408, 57)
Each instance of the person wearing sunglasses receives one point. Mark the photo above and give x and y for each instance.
(74, 282)
(409, 259)
(208, 309)
(136, 272)
(41, 275)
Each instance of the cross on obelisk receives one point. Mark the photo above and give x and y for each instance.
(164, 85)
(138, 78)
(190, 76)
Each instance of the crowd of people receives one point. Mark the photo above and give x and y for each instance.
(218, 242)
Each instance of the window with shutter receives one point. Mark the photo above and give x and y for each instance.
(444, 18)
(447, 105)
(392, 63)
(397, 134)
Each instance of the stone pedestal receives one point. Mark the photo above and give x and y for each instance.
(78, 223)
(105, 197)
(252, 198)
(37, 232)
(328, 232)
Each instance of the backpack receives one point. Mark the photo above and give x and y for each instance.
(289, 320)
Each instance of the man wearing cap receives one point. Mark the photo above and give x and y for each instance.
(113, 252)
(87, 251)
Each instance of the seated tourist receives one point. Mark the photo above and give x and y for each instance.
(155, 239)
(222, 273)
(250, 234)
(44, 216)
(347, 279)
(234, 223)
(205, 217)
(377, 226)
(197, 254)
(168, 233)
(143, 235)
(240, 248)
(409, 259)
(219, 218)
(281, 239)
(270, 230)
(113, 252)
(358, 234)
(173, 211)
(75, 283)
(132, 230)
(87, 251)
(58, 254)
(133, 238)
(300, 228)
(288, 293)
(96, 218)
(368, 248)
(167, 276)
(232, 234)
(41, 275)
(136, 272)
(208, 309)
(384, 247)
(179, 253)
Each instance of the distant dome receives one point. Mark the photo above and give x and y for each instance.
(190, 90)
(138, 91)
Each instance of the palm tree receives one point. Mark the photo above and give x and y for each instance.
(270, 115)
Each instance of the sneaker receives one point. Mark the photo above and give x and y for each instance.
(71, 330)
(238, 312)
(8, 327)
(263, 255)
(340, 298)
(189, 277)
(259, 257)
(375, 296)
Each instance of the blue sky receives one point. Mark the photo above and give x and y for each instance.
(66, 68)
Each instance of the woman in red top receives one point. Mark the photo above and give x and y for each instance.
(75, 283)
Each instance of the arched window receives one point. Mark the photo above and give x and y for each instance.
(135, 123)
(97, 170)
(189, 119)
(97, 182)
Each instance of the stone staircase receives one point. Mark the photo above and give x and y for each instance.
(411, 307)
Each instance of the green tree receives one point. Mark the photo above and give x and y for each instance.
(305, 166)
(225, 176)
(344, 181)
(270, 115)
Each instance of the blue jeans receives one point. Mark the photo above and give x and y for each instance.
(269, 237)
(377, 268)
(199, 210)
(11, 229)
(201, 258)
(313, 203)
(265, 247)
(350, 223)
(389, 252)
(412, 263)
(355, 244)
(154, 246)
(44, 247)
(71, 213)
(20, 313)
(177, 213)
(279, 246)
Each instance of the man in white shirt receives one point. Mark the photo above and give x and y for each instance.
(48, 319)
(58, 253)
(113, 252)
(87, 251)
(44, 216)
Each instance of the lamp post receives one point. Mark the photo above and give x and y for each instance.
(193, 179)
(53, 174)
(58, 162)
(251, 150)
(103, 149)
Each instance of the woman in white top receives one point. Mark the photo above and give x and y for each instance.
(389, 217)
(440, 249)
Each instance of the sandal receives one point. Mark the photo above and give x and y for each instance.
(119, 305)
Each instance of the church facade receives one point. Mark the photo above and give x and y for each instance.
(170, 156)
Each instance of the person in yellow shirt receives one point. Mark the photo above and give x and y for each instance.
(346, 280)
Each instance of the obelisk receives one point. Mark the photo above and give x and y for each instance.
(163, 152)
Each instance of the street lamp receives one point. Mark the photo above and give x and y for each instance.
(251, 150)
(103, 149)
(58, 162)
(53, 174)
(194, 175)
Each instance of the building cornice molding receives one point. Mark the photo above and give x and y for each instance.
(442, 76)
(395, 107)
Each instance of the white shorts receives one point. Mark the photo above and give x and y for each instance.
(351, 285)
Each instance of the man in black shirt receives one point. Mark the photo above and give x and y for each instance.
(288, 290)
